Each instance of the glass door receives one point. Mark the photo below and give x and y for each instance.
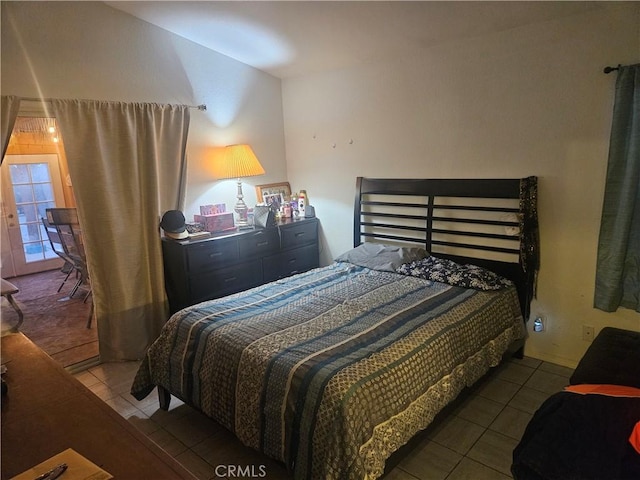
(30, 185)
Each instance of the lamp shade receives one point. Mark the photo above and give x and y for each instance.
(238, 161)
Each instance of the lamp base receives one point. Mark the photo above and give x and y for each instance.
(241, 210)
(243, 225)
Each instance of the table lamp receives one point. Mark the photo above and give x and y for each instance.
(239, 162)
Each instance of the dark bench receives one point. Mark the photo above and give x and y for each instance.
(613, 358)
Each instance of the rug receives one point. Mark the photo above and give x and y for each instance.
(53, 321)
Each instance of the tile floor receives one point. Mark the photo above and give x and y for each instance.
(473, 439)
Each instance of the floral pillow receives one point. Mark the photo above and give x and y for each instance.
(447, 271)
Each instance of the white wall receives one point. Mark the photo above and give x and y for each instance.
(529, 101)
(88, 50)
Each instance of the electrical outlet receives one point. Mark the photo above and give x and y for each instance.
(588, 332)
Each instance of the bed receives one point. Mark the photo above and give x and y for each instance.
(591, 429)
(332, 370)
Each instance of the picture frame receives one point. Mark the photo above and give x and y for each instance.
(273, 193)
(274, 200)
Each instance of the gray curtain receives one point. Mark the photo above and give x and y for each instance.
(127, 162)
(10, 108)
(618, 267)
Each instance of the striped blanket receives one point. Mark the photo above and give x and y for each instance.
(332, 370)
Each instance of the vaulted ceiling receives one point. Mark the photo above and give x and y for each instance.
(293, 38)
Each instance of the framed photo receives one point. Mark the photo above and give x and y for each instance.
(273, 193)
(274, 200)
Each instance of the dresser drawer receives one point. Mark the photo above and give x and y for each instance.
(205, 256)
(259, 243)
(207, 268)
(225, 281)
(288, 263)
(296, 235)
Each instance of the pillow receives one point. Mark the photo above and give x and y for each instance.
(378, 256)
(447, 271)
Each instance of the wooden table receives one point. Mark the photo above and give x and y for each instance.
(46, 411)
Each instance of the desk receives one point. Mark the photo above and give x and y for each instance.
(47, 411)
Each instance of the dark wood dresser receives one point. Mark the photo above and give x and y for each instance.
(222, 264)
(46, 411)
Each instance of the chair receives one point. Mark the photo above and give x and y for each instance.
(58, 248)
(65, 221)
(8, 289)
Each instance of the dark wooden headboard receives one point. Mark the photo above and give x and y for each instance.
(487, 222)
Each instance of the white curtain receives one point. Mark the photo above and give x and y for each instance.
(10, 107)
(127, 163)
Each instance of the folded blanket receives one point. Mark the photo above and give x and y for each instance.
(580, 436)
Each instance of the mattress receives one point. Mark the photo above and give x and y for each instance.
(332, 370)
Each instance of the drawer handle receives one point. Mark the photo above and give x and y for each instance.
(299, 234)
(262, 244)
(293, 260)
(215, 254)
(230, 279)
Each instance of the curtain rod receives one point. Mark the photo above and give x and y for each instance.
(611, 69)
(202, 107)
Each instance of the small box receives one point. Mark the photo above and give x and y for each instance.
(213, 209)
(216, 223)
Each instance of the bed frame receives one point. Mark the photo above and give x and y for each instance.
(487, 222)
(491, 223)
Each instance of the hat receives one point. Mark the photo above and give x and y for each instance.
(174, 225)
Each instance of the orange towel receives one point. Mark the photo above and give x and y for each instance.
(634, 439)
(603, 389)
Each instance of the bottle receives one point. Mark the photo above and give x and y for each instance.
(294, 205)
(302, 203)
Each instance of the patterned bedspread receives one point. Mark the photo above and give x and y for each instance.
(332, 370)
